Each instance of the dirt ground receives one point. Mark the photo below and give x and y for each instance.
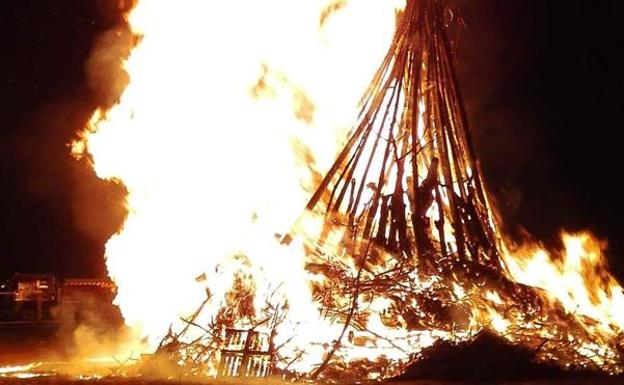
(43, 347)
(123, 381)
(46, 351)
(19, 346)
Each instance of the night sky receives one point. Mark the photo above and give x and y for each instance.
(543, 83)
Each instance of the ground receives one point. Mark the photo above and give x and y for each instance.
(20, 349)
(124, 381)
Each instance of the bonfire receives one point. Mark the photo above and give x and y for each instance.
(398, 247)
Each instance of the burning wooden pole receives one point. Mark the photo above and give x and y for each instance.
(409, 163)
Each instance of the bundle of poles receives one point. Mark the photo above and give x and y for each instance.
(407, 178)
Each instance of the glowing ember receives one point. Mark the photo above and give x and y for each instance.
(233, 115)
(20, 371)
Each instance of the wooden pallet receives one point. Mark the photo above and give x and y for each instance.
(247, 354)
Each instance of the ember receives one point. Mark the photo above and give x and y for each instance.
(398, 246)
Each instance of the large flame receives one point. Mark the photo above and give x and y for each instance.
(232, 112)
(577, 277)
(231, 109)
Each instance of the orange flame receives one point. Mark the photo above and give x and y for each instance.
(578, 278)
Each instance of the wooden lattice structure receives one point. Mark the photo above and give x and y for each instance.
(247, 354)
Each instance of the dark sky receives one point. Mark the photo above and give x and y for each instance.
(543, 83)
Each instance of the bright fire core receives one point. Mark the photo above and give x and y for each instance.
(232, 112)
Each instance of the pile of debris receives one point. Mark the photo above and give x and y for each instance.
(487, 357)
